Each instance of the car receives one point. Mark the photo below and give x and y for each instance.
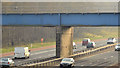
(85, 41)
(6, 62)
(111, 41)
(91, 45)
(117, 47)
(67, 62)
(74, 45)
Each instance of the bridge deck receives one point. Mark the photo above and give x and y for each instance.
(60, 7)
(60, 19)
(60, 13)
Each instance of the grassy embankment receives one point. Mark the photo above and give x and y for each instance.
(103, 35)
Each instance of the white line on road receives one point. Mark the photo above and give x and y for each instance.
(43, 52)
(102, 44)
(82, 65)
(105, 58)
(111, 56)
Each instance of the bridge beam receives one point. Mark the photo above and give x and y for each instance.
(64, 41)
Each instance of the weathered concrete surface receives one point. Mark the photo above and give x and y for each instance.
(59, 7)
(64, 41)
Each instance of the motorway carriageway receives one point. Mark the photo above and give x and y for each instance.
(99, 60)
(108, 58)
(41, 54)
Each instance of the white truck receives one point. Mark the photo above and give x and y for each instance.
(21, 52)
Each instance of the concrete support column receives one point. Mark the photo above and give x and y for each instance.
(64, 41)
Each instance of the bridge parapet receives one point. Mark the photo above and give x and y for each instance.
(59, 7)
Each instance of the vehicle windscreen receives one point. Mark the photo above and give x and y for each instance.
(4, 59)
(19, 50)
(90, 44)
(110, 38)
(118, 45)
(66, 60)
(85, 40)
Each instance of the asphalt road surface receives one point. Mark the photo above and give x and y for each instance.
(99, 60)
(103, 59)
(52, 52)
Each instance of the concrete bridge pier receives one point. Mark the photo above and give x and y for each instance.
(64, 41)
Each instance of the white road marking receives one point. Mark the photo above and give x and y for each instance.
(50, 55)
(28, 59)
(43, 52)
(105, 58)
(97, 54)
(102, 44)
(82, 65)
(113, 64)
(101, 53)
(111, 56)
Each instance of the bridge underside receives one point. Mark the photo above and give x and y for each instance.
(71, 19)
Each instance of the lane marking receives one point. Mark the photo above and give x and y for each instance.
(101, 44)
(29, 59)
(43, 52)
(111, 56)
(105, 58)
(114, 64)
(96, 55)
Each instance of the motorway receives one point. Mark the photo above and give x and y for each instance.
(52, 52)
(99, 60)
(108, 58)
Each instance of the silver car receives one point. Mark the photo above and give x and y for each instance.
(117, 47)
(67, 62)
(6, 62)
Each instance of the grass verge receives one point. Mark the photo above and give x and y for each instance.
(33, 45)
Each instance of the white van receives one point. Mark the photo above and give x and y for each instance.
(111, 41)
(21, 52)
(74, 45)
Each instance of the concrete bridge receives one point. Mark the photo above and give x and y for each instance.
(62, 15)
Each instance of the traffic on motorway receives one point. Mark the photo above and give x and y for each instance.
(86, 42)
(24, 52)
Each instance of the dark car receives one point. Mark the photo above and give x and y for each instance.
(91, 45)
